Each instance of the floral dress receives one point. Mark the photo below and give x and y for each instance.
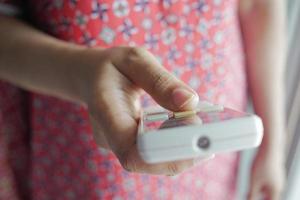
(47, 150)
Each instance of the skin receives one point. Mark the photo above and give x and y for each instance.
(97, 77)
(263, 26)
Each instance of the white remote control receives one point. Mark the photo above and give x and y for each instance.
(166, 136)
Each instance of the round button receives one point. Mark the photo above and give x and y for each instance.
(203, 142)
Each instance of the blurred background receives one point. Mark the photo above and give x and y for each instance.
(292, 191)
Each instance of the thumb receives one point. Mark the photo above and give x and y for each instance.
(143, 69)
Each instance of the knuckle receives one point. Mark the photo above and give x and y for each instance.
(125, 164)
(174, 168)
(161, 81)
(134, 54)
(129, 164)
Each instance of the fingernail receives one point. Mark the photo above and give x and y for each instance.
(185, 98)
(203, 159)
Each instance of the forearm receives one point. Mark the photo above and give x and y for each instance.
(263, 30)
(36, 61)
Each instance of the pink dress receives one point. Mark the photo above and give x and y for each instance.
(47, 149)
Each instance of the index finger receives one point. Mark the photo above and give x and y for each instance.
(143, 69)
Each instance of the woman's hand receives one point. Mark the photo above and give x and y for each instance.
(267, 175)
(110, 82)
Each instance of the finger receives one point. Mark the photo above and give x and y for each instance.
(275, 195)
(272, 193)
(98, 133)
(266, 193)
(117, 110)
(142, 68)
(134, 163)
(254, 191)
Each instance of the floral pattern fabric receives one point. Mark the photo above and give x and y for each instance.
(47, 149)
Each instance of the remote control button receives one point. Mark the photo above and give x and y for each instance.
(203, 142)
(184, 114)
(157, 116)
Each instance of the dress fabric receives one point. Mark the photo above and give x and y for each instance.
(47, 149)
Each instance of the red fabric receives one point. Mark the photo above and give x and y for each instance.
(47, 150)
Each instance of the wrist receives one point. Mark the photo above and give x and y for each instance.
(272, 148)
(83, 68)
(70, 67)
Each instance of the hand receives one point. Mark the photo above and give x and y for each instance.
(267, 175)
(110, 83)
